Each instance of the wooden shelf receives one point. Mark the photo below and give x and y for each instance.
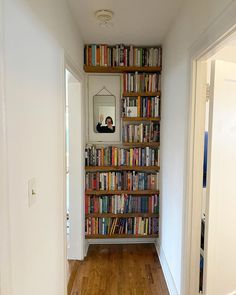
(127, 94)
(100, 69)
(121, 168)
(123, 215)
(141, 144)
(119, 236)
(118, 192)
(129, 119)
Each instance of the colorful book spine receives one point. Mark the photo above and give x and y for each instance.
(141, 132)
(115, 156)
(122, 55)
(119, 226)
(119, 204)
(143, 107)
(124, 180)
(136, 82)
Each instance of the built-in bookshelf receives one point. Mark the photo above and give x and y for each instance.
(122, 182)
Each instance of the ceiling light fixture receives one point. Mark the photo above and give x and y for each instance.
(104, 17)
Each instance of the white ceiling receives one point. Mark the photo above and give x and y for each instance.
(138, 22)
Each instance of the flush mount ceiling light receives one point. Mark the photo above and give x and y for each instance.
(104, 17)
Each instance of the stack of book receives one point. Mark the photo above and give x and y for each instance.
(115, 156)
(118, 226)
(141, 132)
(135, 82)
(142, 107)
(124, 180)
(122, 55)
(119, 204)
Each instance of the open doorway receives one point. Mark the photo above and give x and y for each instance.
(214, 160)
(74, 147)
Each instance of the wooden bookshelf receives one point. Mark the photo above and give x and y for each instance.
(123, 69)
(118, 192)
(121, 215)
(121, 168)
(121, 236)
(141, 144)
(138, 119)
(152, 76)
(134, 94)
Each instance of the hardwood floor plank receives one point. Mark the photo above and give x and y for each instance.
(132, 269)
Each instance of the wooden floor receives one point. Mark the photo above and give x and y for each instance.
(120, 270)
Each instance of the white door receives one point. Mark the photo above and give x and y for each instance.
(220, 263)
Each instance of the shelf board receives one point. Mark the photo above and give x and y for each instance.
(128, 119)
(102, 69)
(117, 236)
(118, 192)
(141, 144)
(122, 168)
(124, 215)
(127, 94)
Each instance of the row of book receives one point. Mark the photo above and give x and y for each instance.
(141, 132)
(116, 226)
(115, 156)
(119, 204)
(124, 180)
(144, 107)
(144, 82)
(121, 55)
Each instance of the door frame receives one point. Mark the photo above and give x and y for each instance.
(212, 39)
(70, 65)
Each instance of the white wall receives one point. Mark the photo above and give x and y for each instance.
(5, 283)
(36, 32)
(192, 21)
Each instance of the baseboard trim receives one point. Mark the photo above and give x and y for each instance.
(121, 241)
(86, 246)
(166, 270)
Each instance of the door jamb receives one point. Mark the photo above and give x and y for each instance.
(69, 64)
(222, 28)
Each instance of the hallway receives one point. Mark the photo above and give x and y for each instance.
(120, 270)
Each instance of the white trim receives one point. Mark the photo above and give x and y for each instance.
(5, 252)
(66, 63)
(121, 241)
(222, 27)
(62, 91)
(86, 246)
(166, 270)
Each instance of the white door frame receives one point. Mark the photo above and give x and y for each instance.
(74, 69)
(209, 41)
